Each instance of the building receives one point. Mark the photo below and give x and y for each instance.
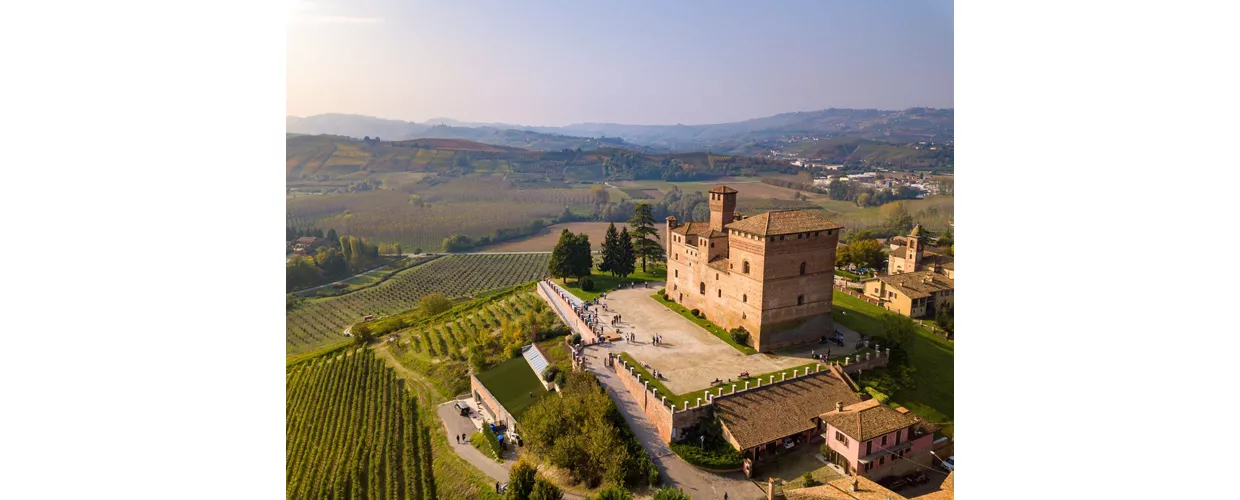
(910, 256)
(911, 294)
(872, 439)
(771, 273)
(761, 422)
(844, 488)
(305, 243)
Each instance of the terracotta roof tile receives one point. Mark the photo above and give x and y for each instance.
(915, 285)
(783, 222)
(764, 414)
(722, 189)
(868, 419)
(841, 488)
(691, 228)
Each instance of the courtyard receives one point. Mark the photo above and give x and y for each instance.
(689, 358)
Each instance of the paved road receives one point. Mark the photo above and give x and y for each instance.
(455, 424)
(674, 470)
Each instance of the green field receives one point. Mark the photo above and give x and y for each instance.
(512, 382)
(605, 282)
(321, 322)
(349, 413)
(930, 354)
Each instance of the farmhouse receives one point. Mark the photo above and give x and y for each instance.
(304, 243)
(912, 294)
(771, 273)
(760, 422)
(872, 439)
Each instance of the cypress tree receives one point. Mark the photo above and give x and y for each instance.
(626, 258)
(611, 245)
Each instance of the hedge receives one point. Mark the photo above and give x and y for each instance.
(720, 458)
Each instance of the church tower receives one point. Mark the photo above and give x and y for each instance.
(722, 207)
(913, 254)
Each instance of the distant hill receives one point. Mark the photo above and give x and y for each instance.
(330, 158)
(784, 133)
(358, 126)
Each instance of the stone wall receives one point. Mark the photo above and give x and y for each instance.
(565, 311)
(481, 394)
(653, 405)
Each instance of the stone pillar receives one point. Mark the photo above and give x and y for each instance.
(733, 388)
(746, 385)
(770, 488)
(699, 403)
(772, 381)
(720, 392)
(867, 356)
(888, 352)
(858, 358)
(783, 376)
(845, 361)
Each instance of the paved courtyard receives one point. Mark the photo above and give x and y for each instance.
(690, 358)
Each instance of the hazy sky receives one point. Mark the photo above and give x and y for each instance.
(556, 62)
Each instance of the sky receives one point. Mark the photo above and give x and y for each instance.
(558, 62)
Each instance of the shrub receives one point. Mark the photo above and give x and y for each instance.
(614, 493)
(514, 351)
(809, 480)
(882, 398)
(693, 312)
(486, 442)
(671, 494)
(550, 372)
(662, 291)
(587, 284)
(740, 335)
(576, 339)
(652, 474)
(716, 457)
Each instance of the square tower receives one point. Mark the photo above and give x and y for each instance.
(722, 207)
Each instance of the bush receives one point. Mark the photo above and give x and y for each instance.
(652, 474)
(740, 335)
(514, 351)
(882, 398)
(716, 457)
(614, 493)
(694, 312)
(662, 291)
(550, 372)
(486, 442)
(809, 480)
(587, 284)
(671, 494)
(576, 339)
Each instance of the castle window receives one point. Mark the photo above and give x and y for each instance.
(781, 237)
(815, 234)
(720, 292)
(712, 244)
(799, 235)
(702, 288)
(676, 273)
(800, 300)
(802, 269)
(716, 276)
(745, 298)
(745, 267)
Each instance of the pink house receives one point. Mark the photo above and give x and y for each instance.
(874, 440)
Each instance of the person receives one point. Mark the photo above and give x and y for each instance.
(725, 495)
(497, 486)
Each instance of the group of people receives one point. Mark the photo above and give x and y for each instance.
(813, 353)
(614, 319)
(462, 439)
(656, 339)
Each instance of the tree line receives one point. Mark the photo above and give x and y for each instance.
(866, 196)
(571, 257)
(335, 259)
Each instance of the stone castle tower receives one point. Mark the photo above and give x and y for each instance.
(913, 255)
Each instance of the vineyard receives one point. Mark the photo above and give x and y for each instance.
(353, 431)
(449, 337)
(322, 322)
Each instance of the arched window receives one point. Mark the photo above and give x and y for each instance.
(702, 288)
(800, 300)
(802, 269)
(745, 267)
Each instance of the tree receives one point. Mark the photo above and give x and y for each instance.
(544, 490)
(582, 260)
(614, 493)
(432, 304)
(843, 256)
(671, 494)
(867, 253)
(611, 248)
(945, 317)
(561, 265)
(346, 249)
(897, 329)
(863, 199)
(332, 237)
(599, 195)
(642, 223)
(626, 258)
(520, 481)
(362, 333)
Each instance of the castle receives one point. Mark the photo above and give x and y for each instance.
(771, 273)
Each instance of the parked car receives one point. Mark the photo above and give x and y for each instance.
(893, 483)
(917, 478)
(463, 408)
(949, 464)
(838, 338)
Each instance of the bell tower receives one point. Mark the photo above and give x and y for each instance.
(722, 207)
(913, 256)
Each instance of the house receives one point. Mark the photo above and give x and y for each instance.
(875, 440)
(770, 273)
(305, 243)
(912, 294)
(911, 256)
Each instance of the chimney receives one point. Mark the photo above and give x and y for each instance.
(839, 406)
(854, 485)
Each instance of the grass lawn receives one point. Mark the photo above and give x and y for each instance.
(704, 323)
(846, 274)
(932, 355)
(605, 282)
(512, 382)
(691, 397)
